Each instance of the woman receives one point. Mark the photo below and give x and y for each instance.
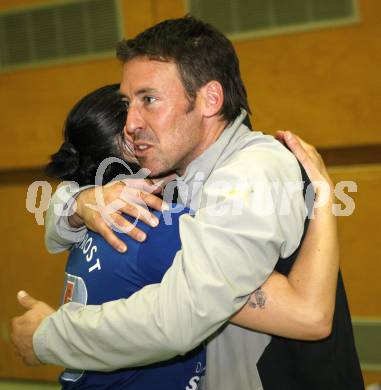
(299, 306)
(94, 131)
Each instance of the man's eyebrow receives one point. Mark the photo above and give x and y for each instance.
(142, 91)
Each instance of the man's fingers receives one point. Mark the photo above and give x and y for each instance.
(154, 202)
(136, 196)
(129, 197)
(26, 300)
(14, 324)
(107, 233)
(140, 213)
(122, 225)
(146, 185)
(129, 228)
(104, 224)
(144, 190)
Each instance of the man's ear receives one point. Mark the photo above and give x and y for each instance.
(212, 98)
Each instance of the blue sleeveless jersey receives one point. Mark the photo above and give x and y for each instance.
(96, 273)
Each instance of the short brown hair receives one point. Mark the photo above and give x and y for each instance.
(201, 54)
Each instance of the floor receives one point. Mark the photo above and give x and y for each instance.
(26, 385)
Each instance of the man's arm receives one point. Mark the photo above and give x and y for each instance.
(59, 234)
(100, 207)
(223, 259)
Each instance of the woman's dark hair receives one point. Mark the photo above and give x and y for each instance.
(201, 54)
(93, 131)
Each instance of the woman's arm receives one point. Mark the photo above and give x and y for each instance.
(301, 305)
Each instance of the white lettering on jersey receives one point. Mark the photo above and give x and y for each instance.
(87, 245)
(97, 266)
(193, 383)
(197, 382)
(90, 255)
(89, 250)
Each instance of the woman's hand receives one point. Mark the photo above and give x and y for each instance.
(311, 160)
(301, 304)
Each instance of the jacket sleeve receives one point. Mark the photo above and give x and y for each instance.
(59, 235)
(229, 248)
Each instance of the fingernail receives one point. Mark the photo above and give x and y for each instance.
(154, 222)
(122, 248)
(287, 135)
(21, 294)
(141, 237)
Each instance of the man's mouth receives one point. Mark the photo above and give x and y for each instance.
(141, 148)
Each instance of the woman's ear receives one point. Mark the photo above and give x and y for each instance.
(212, 98)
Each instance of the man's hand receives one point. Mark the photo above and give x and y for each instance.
(23, 327)
(100, 209)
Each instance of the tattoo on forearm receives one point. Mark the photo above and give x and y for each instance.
(257, 299)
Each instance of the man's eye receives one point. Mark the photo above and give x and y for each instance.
(126, 104)
(149, 99)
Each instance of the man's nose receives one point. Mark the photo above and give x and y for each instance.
(134, 120)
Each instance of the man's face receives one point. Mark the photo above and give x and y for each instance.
(165, 128)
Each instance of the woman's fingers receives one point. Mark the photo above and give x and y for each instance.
(313, 164)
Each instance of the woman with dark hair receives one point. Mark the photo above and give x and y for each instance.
(93, 131)
(96, 273)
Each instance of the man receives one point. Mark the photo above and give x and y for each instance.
(184, 94)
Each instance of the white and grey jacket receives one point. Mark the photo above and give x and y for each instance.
(245, 221)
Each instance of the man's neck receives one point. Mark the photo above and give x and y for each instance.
(212, 132)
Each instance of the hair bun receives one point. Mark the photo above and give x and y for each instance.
(69, 149)
(65, 163)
